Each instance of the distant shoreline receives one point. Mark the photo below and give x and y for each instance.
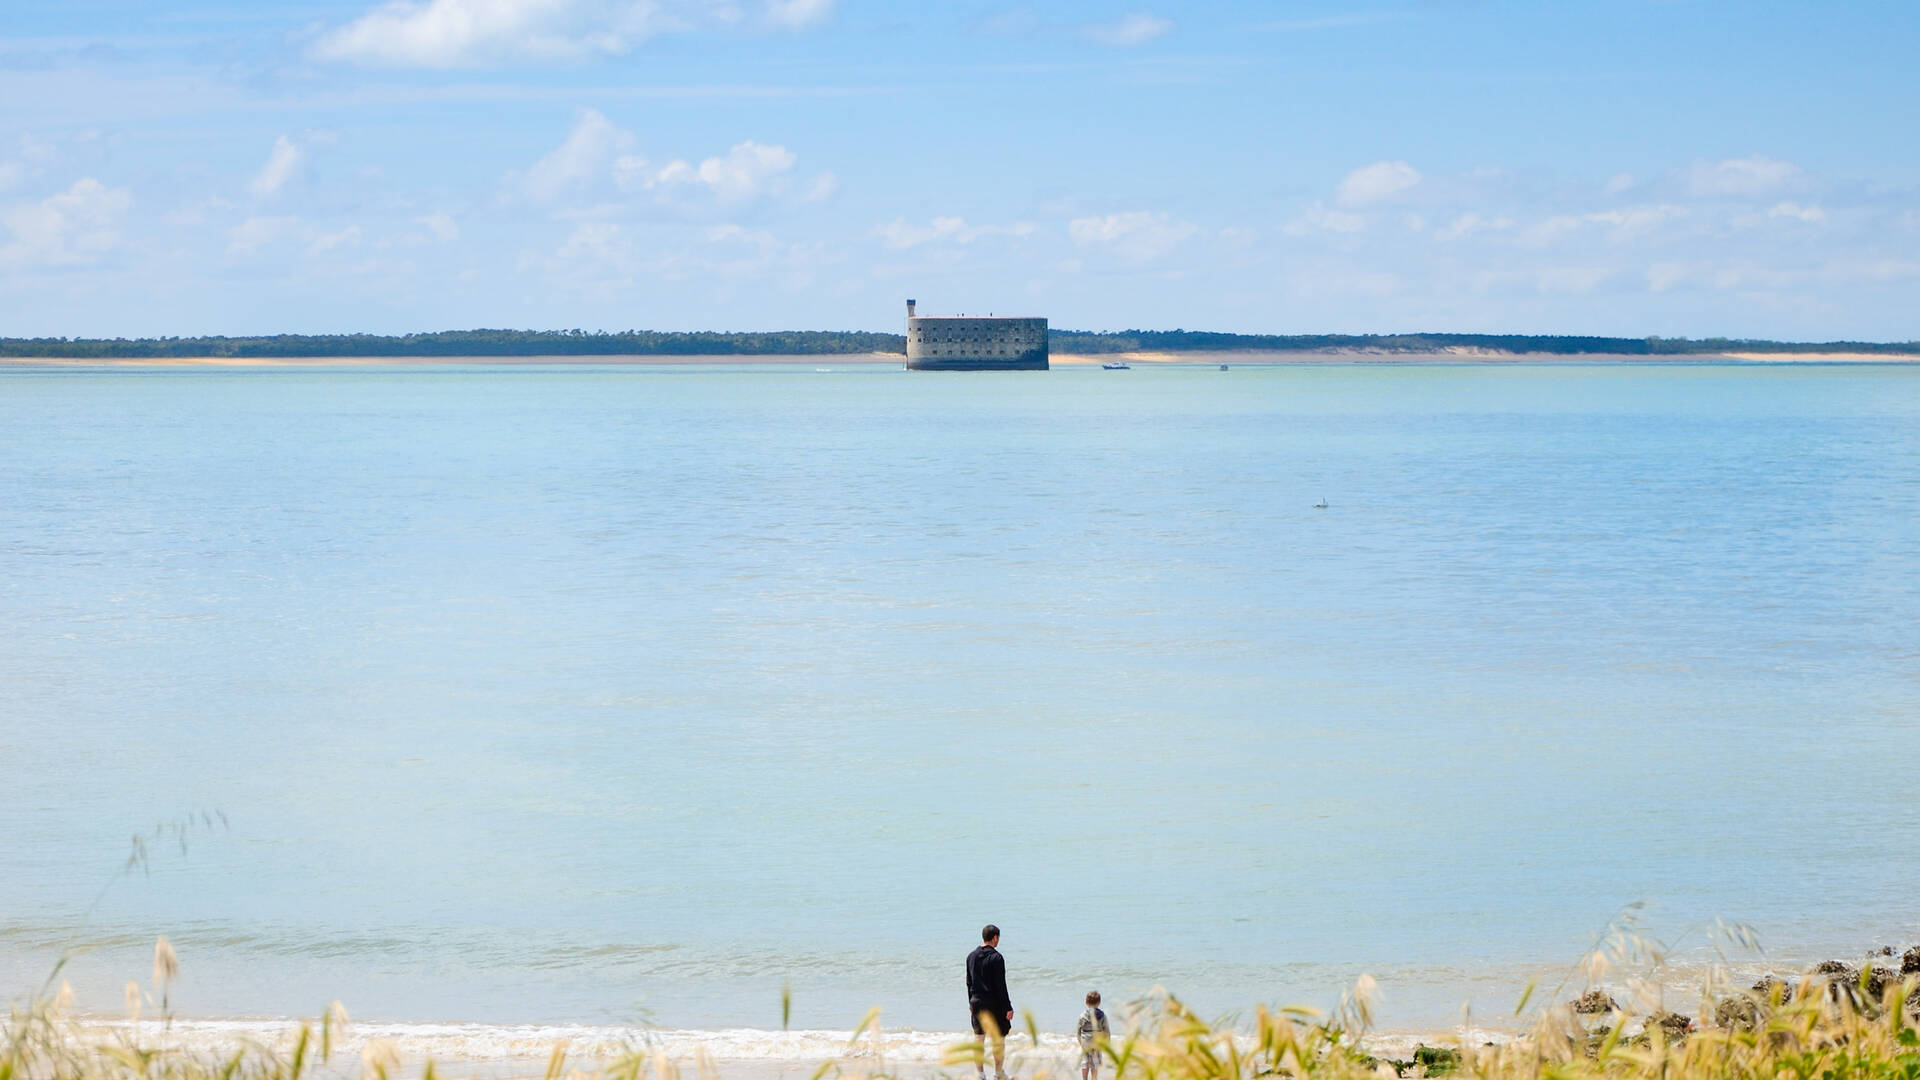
(1458, 355)
(1203, 357)
(867, 346)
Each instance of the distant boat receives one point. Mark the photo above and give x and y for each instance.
(1322, 504)
(1118, 365)
(1223, 367)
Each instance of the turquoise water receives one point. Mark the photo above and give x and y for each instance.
(597, 693)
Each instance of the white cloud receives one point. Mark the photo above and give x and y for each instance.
(284, 162)
(441, 225)
(1812, 215)
(596, 161)
(583, 158)
(748, 171)
(824, 187)
(71, 228)
(1637, 218)
(1375, 183)
(1622, 225)
(1632, 221)
(453, 33)
(797, 14)
(632, 172)
(899, 235)
(1136, 237)
(260, 232)
(1137, 28)
(595, 249)
(1469, 223)
(10, 174)
(1747, 176)
(1620, 182)
(463, 33)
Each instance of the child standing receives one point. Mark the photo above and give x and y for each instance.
(1093, 1035)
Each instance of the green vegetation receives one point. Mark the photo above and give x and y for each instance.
(580, 343)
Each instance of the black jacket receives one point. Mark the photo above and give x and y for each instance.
(987, 982)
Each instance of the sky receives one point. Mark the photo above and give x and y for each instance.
(1629, 167)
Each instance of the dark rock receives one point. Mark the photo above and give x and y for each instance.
(1878, 980)
(1773, 990)
(1671, 1024)
(1740, 1012)
(1885, 950)
(1843, 980)
(1910, 961)
(1593, 1002)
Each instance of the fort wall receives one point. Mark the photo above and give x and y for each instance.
(968, 343)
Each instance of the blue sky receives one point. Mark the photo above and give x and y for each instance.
(1633, 167)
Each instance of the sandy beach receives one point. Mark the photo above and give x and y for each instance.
(514, 1051)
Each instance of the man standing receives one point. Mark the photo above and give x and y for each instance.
(987, 999)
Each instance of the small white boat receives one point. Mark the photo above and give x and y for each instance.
(1118, 365)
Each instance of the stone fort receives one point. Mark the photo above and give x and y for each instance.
(972, 343)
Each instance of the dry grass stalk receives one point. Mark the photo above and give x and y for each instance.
(1811, 1033)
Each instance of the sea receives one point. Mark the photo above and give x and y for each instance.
(707, 701)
